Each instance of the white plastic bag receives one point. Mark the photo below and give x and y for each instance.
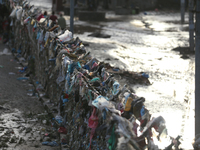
(19, 13)
(32, 10)
(52, 35)
(67, 36)
(61, 76)
(41, 37)
(11, 23)
(23, 12)
(46, 36)
(100, 102)
(12, 15)
(42, 20)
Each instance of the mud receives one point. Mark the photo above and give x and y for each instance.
(21, 127)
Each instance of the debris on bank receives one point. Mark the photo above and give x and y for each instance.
(88, 106)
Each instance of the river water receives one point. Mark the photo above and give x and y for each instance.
(144, 43)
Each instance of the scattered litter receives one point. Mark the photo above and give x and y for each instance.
(42, 94)
(21, 59)
(30, 94)
(11, 73)
(50, 143)
(62, 130)
(23, 70)
(44, 121)
(19, 68)
(5, 52)
(23, 78)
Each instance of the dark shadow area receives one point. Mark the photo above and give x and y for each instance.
(185, 52)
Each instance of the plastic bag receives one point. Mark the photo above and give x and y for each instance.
(66, 61)
(12, 15)
(41, 37)
(61, 77)
(67, 81)
(124, 126)
(90, 63)
(100, 102)
(11, 23)
(67, 36)
(49, 23)
(128, 104)
(23, 12)
(26, 20)
(59, 119)
(93, 120)
(46, 36)
(115, 88)
(19, 13)
(31, 10)
(42, 20)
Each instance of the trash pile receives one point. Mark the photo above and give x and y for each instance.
(91, 109)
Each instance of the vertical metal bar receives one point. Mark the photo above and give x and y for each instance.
(197, 70)
(72, 16)
(191, 24)
(182, 11)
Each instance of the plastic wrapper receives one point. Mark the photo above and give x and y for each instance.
(12, 14)
(93, 120)
(100, 102)
(40, 40)
(67, 36)
(26, 20)
(46, 36)
(19, 13)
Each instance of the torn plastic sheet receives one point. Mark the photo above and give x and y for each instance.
(100, 102)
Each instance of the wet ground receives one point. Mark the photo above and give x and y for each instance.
(22, 116)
